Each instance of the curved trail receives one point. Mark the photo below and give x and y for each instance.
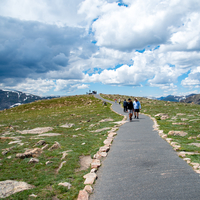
(141, 165)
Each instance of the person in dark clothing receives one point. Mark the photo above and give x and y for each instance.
(125, 105)
(130, 108)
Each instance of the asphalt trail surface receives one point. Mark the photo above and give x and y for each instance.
(141, 165)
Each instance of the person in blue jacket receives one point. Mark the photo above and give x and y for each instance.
(137, 108)
(125, 105)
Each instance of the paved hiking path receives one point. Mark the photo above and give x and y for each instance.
(141, 165)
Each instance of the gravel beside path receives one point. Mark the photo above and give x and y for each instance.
(141, 165)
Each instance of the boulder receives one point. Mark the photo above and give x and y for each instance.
(10, 187)
(195, 144)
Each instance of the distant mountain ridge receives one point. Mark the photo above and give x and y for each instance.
(175, 98)
(192, 99)
(9, 99)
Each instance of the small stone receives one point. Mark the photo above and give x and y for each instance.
(83, 143)
(48, 162)
(94, 170)
(33, 160)
(112, 134)
(169, 140)
(29, 153)
(9, 157)
(75, 136)
(66, 184)
(83, 195)
(89, 189)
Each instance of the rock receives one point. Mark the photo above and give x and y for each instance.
(190, 138)
(184, 119)
(104, 103)
(10, 187)
(48, 162)
(179, 123)
(45, 147)
(195, 144)
(111, 134)
(83, 143)
(61, 165)
(94, 170)
(49, 134)
(169, 140)
(180, 114)
(107, 120)
(33, 195)
(66, 184)
(64, 155)
(15, 142)
(77, 129)
(88, 188)
(100, 130)
(104, 149)
(33, 160)
(162, 116)
(184, 153)
(40, 143)
(67, 125)
(83, 195)
(177, 133)
(108, 141)
(7, 150)
(90, 178)
(9, 157)
(29, 153)
(36, 130)
(75, 136)
(95, 163)
(55, 146)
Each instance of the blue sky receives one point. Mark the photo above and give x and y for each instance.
(142, 48)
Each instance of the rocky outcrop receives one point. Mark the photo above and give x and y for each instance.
(177, 133)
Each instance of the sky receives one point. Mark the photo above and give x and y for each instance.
(134, 47)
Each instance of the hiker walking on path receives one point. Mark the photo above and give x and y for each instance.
(125, 105)
(130, 108)
(115, 100)
(119, 101)
(137, 108)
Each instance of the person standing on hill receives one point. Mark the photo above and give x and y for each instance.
(125, 105)
(130, 108)
(137, 108)
(119, 101)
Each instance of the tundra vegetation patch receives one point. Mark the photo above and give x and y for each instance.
(41, 144)
(181, 119)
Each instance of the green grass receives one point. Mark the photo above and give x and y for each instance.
(191, 111)
(81, 110)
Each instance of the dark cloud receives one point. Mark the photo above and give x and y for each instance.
(31, 49)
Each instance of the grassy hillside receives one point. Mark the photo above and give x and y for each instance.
(84, 112)
(182, 117)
